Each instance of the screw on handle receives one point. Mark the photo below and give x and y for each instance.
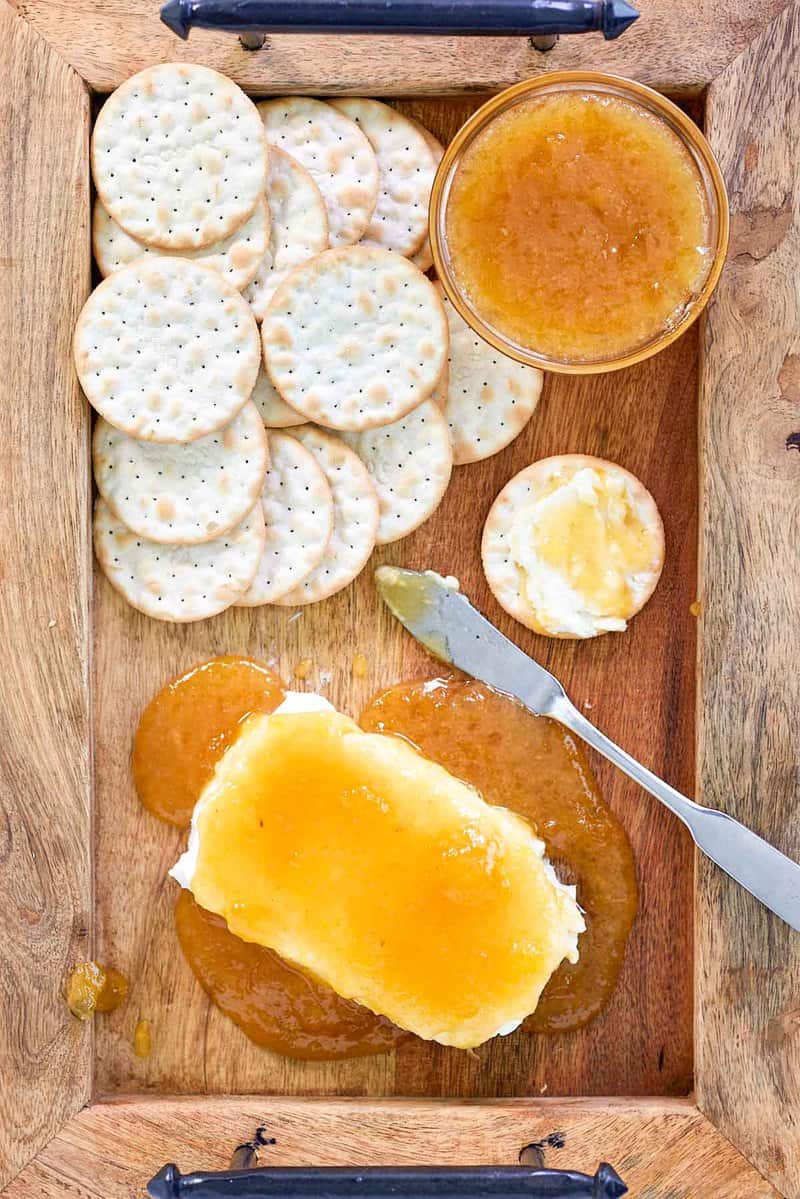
(521, 18)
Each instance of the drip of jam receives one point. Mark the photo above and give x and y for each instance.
(94, 988)
(534, 767)
(142, 1039)
(187, 727)
(275, 1004)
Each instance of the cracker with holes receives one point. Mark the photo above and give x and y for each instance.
(237, 257)
(335, 152)
(423, 258)
(298, 228)
(166, 350)
(490, 398)
(355, 518)
(356, 338)
(406, 168)
(409, 462)
(298, 511)
(573, 546)
(184, 493)
(274, 411)
(179, 582)
(179, 156)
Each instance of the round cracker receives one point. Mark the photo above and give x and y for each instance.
(355, 518)
(298, 227)
(179, 156)
(298, 512)
(490, 397)
(166, 350)
(356, 338)
(501, 572)
(186, 493)
(423, 259)
(441, 391)
(274, 411)
(406, 168)
(410, 462)
(237, 258)
(336, 153)
(179, 582)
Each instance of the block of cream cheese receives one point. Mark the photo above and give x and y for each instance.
(353, 856)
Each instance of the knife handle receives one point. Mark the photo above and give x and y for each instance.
(764, 871)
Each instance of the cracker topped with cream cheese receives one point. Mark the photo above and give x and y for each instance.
(573, 546)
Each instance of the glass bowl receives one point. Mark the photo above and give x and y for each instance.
(560, 81)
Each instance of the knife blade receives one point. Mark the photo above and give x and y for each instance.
(441, 617)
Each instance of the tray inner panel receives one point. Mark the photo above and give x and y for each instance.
(639, 687)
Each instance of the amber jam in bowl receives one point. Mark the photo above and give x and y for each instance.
(579, 222)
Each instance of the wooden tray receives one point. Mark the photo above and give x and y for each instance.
(708, 995)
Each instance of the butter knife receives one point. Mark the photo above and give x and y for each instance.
(434, 611)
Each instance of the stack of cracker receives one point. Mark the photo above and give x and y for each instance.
(238, 465)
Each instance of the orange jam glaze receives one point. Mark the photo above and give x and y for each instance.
(577, 225)
(533, 766)
(188, 726)
(94, 988)
(183, 733)
(276, 1005)
(518, 760)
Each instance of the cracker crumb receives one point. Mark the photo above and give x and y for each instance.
(588, 704)
(696, 607)
(360, 666)
(303, 668)
(51, 624)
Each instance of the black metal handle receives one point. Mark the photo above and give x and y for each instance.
(522, 18)
(388, 1182)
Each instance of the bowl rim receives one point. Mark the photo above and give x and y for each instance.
(697, 145)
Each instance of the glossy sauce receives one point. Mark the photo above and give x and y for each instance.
(577, 225)
(533, 766)
(360, 859)
(276, 1005)
(523, 762)
(183, 733)
(94, 988)
(142, 1039)
(187, 727)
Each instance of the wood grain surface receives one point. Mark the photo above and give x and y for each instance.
(45, 570)
(663, 1149)
(677, 45)
(748, 1015)
(639, 687)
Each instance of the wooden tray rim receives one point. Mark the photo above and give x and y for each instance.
(735, 1060)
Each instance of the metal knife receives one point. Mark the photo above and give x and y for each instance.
(434, 611)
